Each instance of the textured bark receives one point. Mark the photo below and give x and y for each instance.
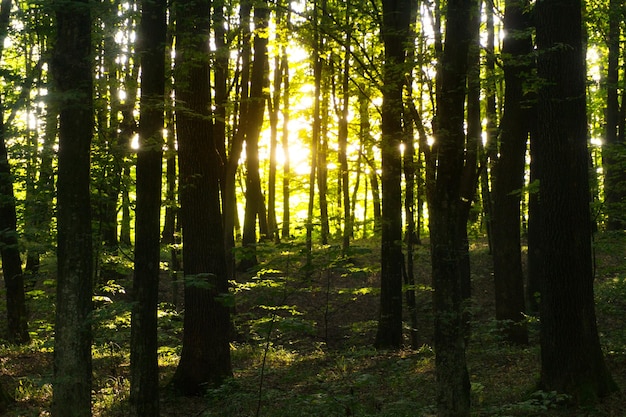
(447, 220)
(144, 367)
(395, 31)
(508, 175)
(72, 67)
(205, 356)
(571, 357)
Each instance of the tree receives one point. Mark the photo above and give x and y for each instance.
(72, 71)
(395, 32)
(9, 250)
(205, 356)
(571, 357)
(315, 128)
(255, 201)
(613, 149)
(144, 361)
(508, 174)
(448, 218)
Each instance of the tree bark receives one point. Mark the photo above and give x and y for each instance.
(144, 367)
(508, 177)
(259, 81)
(72, 66)
(205, 357)
(572, 361)
(395, 32)
(447, 222)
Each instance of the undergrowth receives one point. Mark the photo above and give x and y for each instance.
(302, 344)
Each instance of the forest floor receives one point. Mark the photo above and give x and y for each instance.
(303, 342)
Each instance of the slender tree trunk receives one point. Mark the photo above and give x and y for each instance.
(342, 136)
(273, 109)
(315, 137)
(409, 198)
(42, 211)
(613, 148)
(9, 249)
(171, 165)
(236, 146)
(284, 63)
(572, 361)
(255, 201)
(144, 367)
(491, 117)
(72, 67)
(322, 147)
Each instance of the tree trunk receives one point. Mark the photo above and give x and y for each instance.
(144, 367)
(571, 357)
(613, 148)
(205, 356)
(395, 31)
(72, 66)
(9, 249)
(255, 201)
(229, 200)
(342, 136)
(315, 136)
(447, 223)
(273, 103)
(508, 177)
(284, 63)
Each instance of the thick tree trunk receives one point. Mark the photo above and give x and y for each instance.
(395, 31)
(572, 361)
(508, 177)
(447, 219)
(72, 65)
(144, 367)
(205, 356)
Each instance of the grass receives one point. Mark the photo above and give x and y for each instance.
(304, 344)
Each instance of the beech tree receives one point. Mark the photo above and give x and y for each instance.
(572, 361)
